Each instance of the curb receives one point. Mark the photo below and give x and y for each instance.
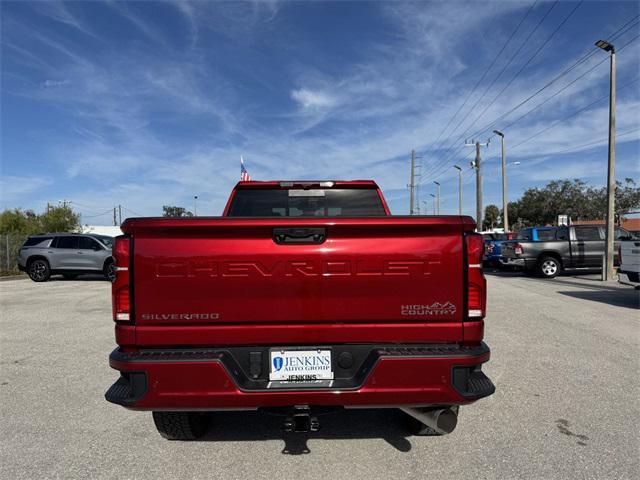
(13, 277)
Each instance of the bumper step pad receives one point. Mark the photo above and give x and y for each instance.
(472, 383)
(128, 389)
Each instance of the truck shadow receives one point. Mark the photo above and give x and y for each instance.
(390, 425)
(627, 298)
(583, 274)
(89, 277)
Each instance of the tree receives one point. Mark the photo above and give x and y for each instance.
(59, 219)
(541, 206)
(26, 222)
(18, 221)
(491, 216)
(175, 212)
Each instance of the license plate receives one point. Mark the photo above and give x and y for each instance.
(300, 365)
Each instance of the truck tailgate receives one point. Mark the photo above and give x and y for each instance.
(232, 271)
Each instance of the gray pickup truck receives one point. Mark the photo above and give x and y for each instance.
(576, 246)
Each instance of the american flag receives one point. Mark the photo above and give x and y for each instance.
(244, 175)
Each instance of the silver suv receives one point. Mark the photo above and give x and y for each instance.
(69, 254)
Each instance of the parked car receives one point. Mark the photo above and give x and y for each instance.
(493, 247)
(629, 271)
(576, 246)
(69, 254)
(303, 296)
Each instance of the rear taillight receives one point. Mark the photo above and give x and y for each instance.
(120, 285)
(517, 248)
(476, 283)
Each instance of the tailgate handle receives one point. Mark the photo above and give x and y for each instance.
(294, 235)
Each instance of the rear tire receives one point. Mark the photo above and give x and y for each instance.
(39, 270)
(548, 267)
(180, 425)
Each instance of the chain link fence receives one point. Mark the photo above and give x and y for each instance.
(10, 243)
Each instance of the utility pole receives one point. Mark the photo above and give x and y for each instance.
(412, 184)
(459, 188)
(476, 165)
(119, 214)
(611, 168)
(505, 212)
(115, 224)
(438, 197)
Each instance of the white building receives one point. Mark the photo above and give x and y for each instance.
(110, 230)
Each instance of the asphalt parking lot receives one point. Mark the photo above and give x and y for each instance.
(565, 358)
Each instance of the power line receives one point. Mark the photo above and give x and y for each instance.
(483, 76)
(90, 207)
(535, 54)
(571, 115)
(522, 45)
(98, 215)
(135, 213)
(562, 74)
(578, 62)
(583, 58)
(555, 94)
(597, 142)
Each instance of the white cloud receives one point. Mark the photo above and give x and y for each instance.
(60, 12)
(15, 188)
(55, 83)
(313, 99)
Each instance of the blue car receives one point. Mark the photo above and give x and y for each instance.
(493, 247)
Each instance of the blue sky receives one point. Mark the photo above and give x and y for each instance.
(144, 104)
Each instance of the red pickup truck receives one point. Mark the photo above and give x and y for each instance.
(302, 298)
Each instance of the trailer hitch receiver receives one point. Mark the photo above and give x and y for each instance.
(301, 421)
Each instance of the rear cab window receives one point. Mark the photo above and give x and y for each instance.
(546, 234)
(524, 234)
(306, 202)
(586, 234)
(562, 233)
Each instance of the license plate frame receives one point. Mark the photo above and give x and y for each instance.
(300, 365)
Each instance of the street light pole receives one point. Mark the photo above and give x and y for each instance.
(438, 184)
(195, 205)
(434, 202)
(611, 168)
(505, 212)
(459, 188)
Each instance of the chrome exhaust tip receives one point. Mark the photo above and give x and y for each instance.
(442, 420)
